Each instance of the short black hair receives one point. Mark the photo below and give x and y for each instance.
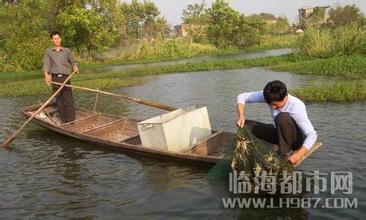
(53, 33)
(274, 91)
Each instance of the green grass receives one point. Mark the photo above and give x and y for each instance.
(190, 67)
(30, 86)
(157, 51)
(167, 48)
(348, 91)
(29, 75)
(181, 49)
(327, 43)
(144, 51)
(275, 42)
(108, 62)
(38, 86)
(14, 76)
(350, 67)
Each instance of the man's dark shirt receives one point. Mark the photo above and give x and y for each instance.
(58, 62)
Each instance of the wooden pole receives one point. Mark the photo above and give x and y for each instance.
(96, 101)
(137, 100)
(7, 142)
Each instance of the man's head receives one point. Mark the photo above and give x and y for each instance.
(275, 94)
(56, 38)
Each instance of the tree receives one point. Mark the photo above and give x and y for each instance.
(195, 14)
(267, 16)
(279, 26)
(228, 28)
(223, 24)
(3, 25)
(143, 20)
(347, 15)
(86, 29)
(91, 25)
(195, 21)
(26, 39)
(157, 29)
(111, 14)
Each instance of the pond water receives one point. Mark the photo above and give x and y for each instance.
(47, 175)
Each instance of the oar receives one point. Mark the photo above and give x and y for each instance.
(7, 142)
(138, 100)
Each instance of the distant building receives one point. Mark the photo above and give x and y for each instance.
(318, 15)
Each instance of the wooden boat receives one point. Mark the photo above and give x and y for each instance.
(120, 133)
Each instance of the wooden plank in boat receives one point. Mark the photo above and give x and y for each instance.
(117, 130)
(109, 125)
(87, 123)
(86, 118)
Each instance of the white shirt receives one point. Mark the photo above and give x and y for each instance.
(294, 106)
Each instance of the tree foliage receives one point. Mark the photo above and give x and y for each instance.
(86, 29)
(195, 20)
(96, 25)
(24, 42)
(347, 15)
(195, 14)
(143, 20)
(281, 26)
(228, 28)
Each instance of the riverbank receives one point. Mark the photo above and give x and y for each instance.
(32, 83)
(180, 50)
(348, 73)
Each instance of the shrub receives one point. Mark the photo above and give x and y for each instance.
(341, 41)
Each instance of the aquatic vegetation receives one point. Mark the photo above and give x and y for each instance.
(343, 91)
(347, 67)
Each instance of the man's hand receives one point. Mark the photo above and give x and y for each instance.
(75, 69)
(48, 79)
(296, 156)
(240, 108)
(241, 121)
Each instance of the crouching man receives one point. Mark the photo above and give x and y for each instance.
(292, 130)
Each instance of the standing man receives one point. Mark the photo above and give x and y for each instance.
(56, 68)
(292, 129)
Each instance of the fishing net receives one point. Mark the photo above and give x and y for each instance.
(251, 156)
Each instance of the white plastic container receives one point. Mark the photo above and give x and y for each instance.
(176, 130)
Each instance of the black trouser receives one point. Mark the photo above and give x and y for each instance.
(64, 99)
(286, 134)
